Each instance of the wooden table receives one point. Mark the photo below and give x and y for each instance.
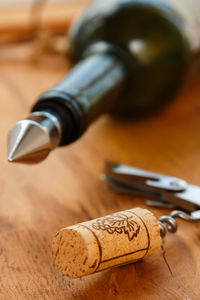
(36, 201)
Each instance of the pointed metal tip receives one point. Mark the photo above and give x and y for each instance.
(31, 140)
(28, 142)
(10, 159)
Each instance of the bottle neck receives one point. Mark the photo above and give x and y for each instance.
(90, 89)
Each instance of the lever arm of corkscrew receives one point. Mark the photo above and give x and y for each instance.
(164, 191)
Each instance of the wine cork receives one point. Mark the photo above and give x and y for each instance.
(99, 244)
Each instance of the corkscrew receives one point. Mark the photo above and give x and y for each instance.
(166, 192)
(131, 235)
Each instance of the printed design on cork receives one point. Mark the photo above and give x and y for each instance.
(119, 223)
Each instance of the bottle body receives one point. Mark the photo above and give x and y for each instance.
(162, 35)
(190, 13)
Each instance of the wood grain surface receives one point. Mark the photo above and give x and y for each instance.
(36, 201)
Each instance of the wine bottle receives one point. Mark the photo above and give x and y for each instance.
(132, 57)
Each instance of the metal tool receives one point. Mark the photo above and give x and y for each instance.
(165, 192)
(46, 131)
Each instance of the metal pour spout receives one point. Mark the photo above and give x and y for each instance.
(32, 139)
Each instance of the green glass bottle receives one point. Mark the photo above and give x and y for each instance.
(133, 56)
(159, 40)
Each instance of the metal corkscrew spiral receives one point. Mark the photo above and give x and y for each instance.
(169, 224)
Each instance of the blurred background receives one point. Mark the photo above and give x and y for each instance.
(35, 26)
